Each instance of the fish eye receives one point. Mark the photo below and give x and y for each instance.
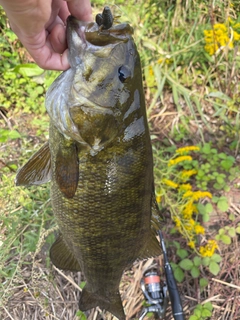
(124, 73)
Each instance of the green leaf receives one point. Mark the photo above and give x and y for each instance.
(28, 70)
(197, 313)
(238, 229)
(227, 164)
(201, 208)
(222, 204)
(221, 231)
(194, 318)
(215, 199)
(195, 272)
(177, 244)
(203, 282)
(208, 207)
(208, 305)
(232, 232)
(216, 257)
(206, 313)
(197, 261)
(218, 186)
(206, 261)
(182, 253)
(186, 264)
(173, 265)
(225, 239)
(214, 268)
(232, 217)
(6, 134)
(220, 180)
(82, 284)
(81, 315)
(178, 274)
(222, 155)
(206, 148)
(206, 217)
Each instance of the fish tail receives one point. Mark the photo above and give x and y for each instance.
(89, 300)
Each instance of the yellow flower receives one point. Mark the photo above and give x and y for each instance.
(188, 173)
(158, 198)
(216, 38)
(177, 222)
(209, 249)
(150, 71)
(191, 244)
(236, 36)
(220, 26)
(196, 195)
(177, 160)
(188, 194)
(187, 149)
(185, 187)
(199, 229)
(170, 183)
(201, 194)
(188, 210)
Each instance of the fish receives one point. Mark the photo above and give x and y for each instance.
(99, 161)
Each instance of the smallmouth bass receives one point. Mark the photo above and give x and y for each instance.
(99, 161)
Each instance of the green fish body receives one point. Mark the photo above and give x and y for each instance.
(99, 161)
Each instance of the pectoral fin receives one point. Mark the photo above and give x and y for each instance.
(62, 257)
(37, 170)
(112, 303)
(67, 170)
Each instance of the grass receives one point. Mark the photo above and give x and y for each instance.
(192, 98)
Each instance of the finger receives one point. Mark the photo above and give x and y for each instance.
(64, 12)
(58, 39)
(50, 60)
(41, 49)
(81, 9)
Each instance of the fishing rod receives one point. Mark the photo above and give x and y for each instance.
(156, 293)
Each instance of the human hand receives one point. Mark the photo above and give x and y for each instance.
(40, 26)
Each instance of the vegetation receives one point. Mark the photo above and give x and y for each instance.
(190, 59)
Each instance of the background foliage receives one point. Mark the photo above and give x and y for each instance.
(190, 60)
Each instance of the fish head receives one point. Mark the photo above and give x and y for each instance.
(100, 85)
(105, 61)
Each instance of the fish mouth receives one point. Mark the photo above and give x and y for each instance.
(83, 33)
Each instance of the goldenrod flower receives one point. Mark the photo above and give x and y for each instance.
(188, 194)
(150, 71)
(236, 36)
(177, 160)
(170, 183)
(196, 195)
(177, 222)
(199, 229)
(187, 149)
(191, 244)
(218, 38)
(209, 249)
(188, 210)
(185, 187)
(158, 198)
(188, 173)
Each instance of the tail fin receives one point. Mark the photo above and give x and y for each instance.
(113, 303)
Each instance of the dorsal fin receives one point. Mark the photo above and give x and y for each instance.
(67, 170)
(37, 170)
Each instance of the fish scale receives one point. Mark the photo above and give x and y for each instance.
(99, 161)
